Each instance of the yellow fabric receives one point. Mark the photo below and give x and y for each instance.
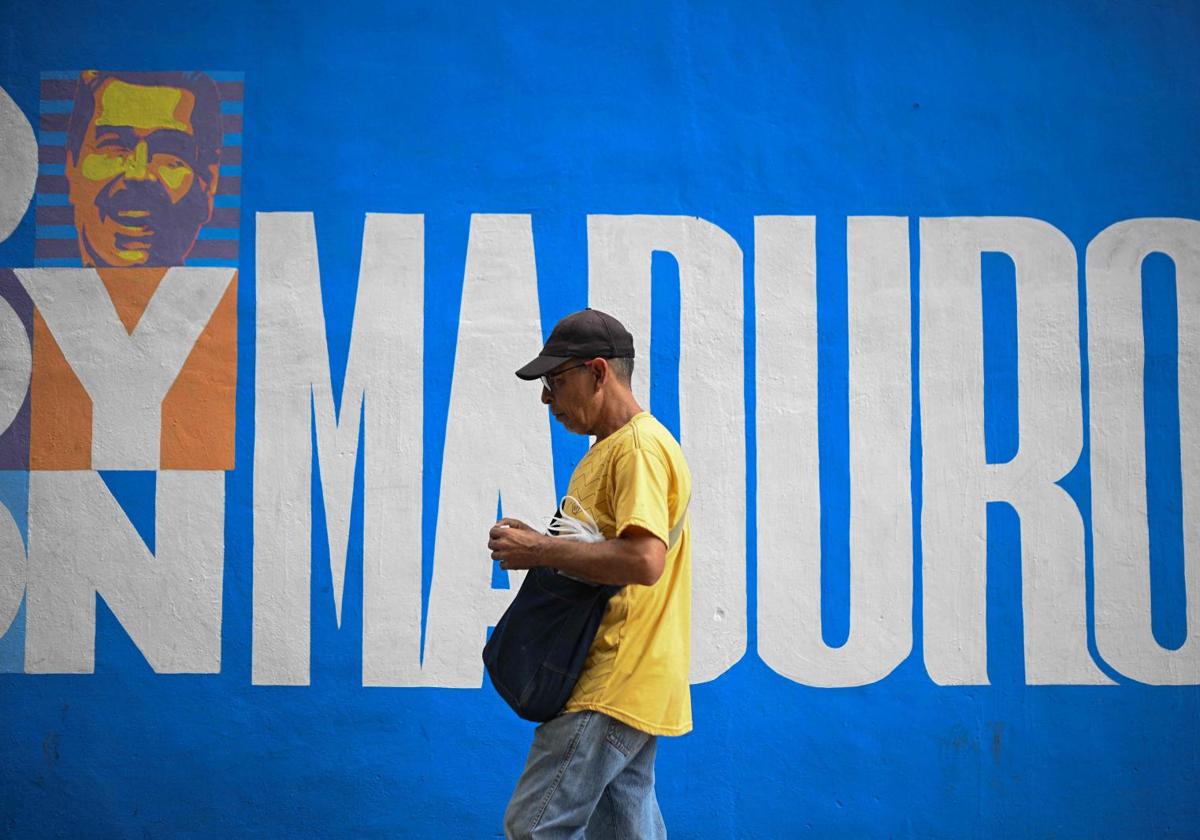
(637, 667)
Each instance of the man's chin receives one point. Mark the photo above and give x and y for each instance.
(566, 424)
(124, 253)
(132, 247)
(124, 258)
(133, 257)
(109, 250)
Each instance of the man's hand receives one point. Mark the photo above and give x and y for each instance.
(516, 545)
(636, 556)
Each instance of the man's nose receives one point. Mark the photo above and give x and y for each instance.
(546, 396)
(137, 165)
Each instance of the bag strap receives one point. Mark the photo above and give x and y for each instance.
(677, 531)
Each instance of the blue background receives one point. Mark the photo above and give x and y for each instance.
(1078, 113)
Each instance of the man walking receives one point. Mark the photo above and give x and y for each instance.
(590, 771)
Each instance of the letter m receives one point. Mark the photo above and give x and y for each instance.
(382, 389)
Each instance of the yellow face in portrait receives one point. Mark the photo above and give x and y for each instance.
(139, 191)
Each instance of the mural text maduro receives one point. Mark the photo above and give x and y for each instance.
(119, 351)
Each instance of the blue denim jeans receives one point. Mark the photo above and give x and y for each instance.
(587, 776)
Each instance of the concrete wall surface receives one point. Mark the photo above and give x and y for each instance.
(916, 285)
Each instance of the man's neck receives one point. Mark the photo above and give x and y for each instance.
(619, 410)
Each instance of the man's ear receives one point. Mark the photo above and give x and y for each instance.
(72, 172)
(602, 370)
(214, 171)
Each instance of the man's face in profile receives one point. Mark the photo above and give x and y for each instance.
(137, 184)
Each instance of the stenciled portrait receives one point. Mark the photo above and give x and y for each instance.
(139, 169)
(143, 164)
(139, 172)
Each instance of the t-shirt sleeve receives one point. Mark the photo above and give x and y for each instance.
(640, 484)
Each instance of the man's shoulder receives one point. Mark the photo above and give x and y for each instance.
(646, 433)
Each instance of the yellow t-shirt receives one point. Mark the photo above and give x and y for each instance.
(637, 668)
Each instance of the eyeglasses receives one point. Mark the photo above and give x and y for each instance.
(549, 378)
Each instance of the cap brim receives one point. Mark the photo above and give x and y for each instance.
(541, 366)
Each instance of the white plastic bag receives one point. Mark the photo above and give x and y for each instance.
(573, 522)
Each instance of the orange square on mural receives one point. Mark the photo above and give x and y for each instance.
(198, 411)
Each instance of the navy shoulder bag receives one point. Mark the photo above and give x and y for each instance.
(537, 650)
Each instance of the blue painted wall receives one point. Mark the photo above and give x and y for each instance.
(1080, 114)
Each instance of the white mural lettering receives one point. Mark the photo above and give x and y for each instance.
(497, 445)
(712, 417)
(13, 564)
(125, 374)
(1116, 355)
(293, 391)
(18, 164)
(16, 363)
(81, 544)
(789, 505)
(958, 481)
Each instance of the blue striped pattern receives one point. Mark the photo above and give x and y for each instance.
(56, 232)
(215, 75)
(225, 234)
(75, 262)
(60, 169)
(69, 232)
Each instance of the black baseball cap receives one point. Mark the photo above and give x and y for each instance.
(586, 334)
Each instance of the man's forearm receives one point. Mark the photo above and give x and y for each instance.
(637, 556)
(616, 561)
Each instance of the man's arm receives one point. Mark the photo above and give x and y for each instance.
(636, 556)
